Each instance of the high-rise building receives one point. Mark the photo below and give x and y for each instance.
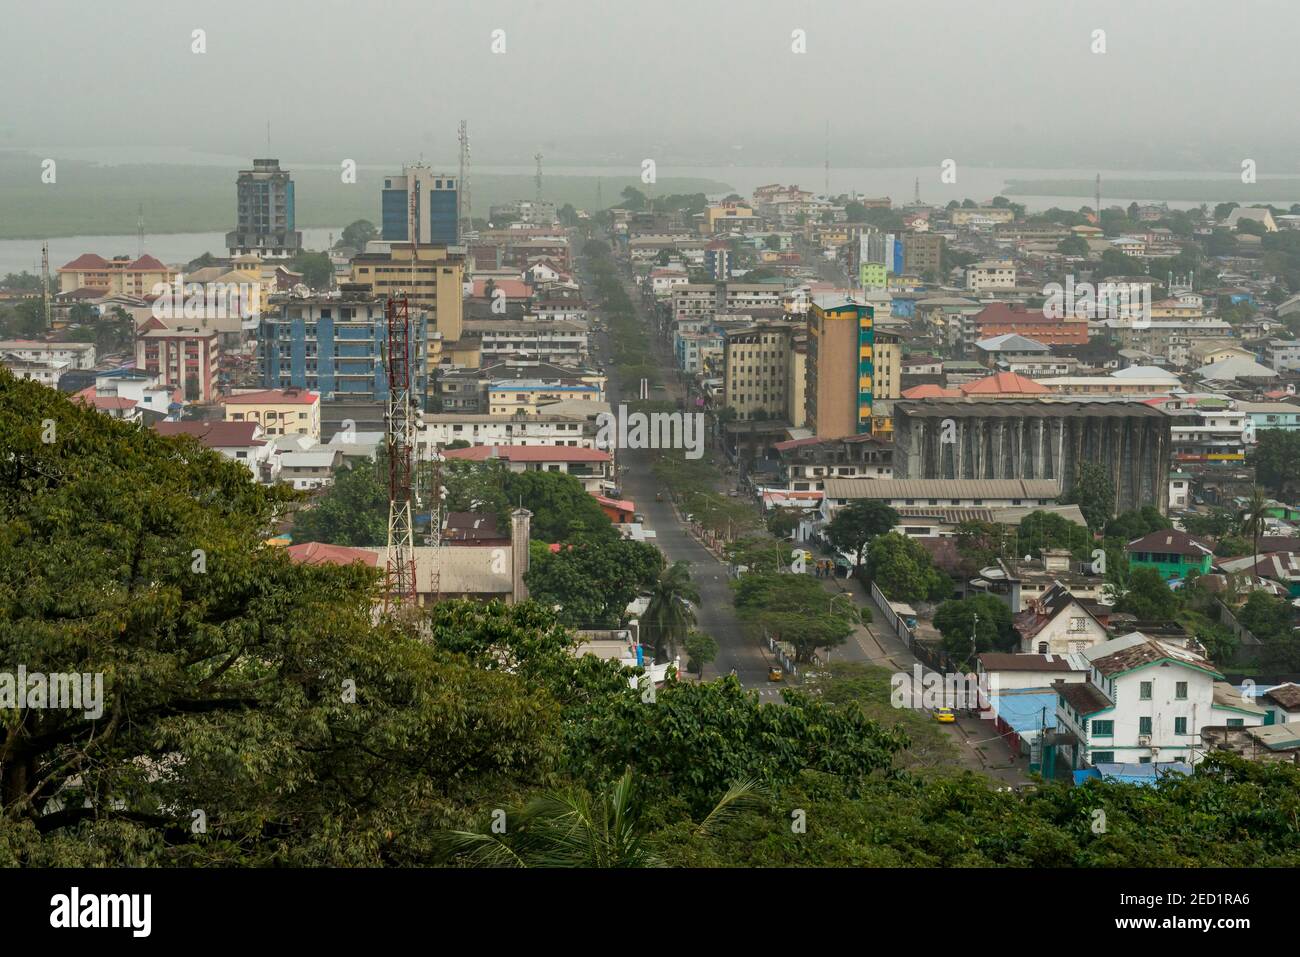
(756, 362)
(841, 370)
(335, 345)
(431, 277)
(922, 253)
(184, 356)
(435, 214)
(850, 365)
(264, 221)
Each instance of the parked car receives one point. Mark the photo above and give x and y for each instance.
(775, 674)
(944, 715)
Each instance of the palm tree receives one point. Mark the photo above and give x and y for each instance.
(571, 829)
(1253, 524)
(670, 615)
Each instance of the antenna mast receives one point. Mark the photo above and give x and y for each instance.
(538, 178)
(400, 423)
(45, 282)
(462, 195)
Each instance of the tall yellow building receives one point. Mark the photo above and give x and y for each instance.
(432, 278)
(850, 365)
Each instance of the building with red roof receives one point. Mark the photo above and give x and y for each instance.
(121, 276)
(1003, 385)
(930, 391)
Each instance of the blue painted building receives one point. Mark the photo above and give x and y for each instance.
(436, 206)
(335, 346)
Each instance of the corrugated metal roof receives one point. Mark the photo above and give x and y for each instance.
(889, 489)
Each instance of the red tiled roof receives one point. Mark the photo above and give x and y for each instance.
(620, 504)
(512, 288)
(87, 261)
(215, 435)
(319, 553)
(1003, 382)
(148, 262)
(527, 453)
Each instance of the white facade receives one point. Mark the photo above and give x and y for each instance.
(1151, 700)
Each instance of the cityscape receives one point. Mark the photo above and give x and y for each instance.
(494, 494)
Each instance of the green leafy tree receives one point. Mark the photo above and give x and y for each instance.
(357, 233)
(1137, 523)
(1094, 493)
(904, 571)
(1149, 596)
(226, 670)
(593, 582)
(794, 608)
(1267, 617)
(353, 511)
(316, 268)
(701, 649)
(1276, 459)
(981, 617)
(1073, 246)
(857, 524)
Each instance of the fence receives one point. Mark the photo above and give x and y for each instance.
(925, 652)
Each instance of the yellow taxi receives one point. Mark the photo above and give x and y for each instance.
(775, 674)
(944, 715)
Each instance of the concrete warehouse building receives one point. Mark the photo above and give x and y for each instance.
(1038, 439)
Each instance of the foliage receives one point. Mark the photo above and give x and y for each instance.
(984, 617)
(1276, 459)
(1094, 492)
(1132, 525)
(1148, 596)
(856, 524)
(356, 234)
(316, 268)
(793, 608)
(904, 571)
(1266, 617)
(353, 511)
(670, 615)
(701, 650)
(593, 582)
(254, 689)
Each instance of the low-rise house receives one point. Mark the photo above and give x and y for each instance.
(311, 469)
(1145, 701)
(591, 467)
(1057, 623)
(449, 570)
(1170, 552)
(290, 411)
(239, 441)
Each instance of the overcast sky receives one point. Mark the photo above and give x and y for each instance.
(1182, 84)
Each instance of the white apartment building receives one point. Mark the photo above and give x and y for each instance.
(442, 430)
(991, 274)
(1146, 700)
(77, 355)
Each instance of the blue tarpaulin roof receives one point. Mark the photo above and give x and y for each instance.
(1027, 710)
(1144, 774)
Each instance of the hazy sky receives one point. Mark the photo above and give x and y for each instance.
(1183, 83)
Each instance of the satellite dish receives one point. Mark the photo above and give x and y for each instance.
(1029, 558)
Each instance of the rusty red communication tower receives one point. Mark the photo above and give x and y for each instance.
(400, 434)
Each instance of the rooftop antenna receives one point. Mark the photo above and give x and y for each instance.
(916, 196)
(538, 178)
